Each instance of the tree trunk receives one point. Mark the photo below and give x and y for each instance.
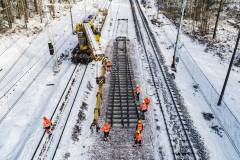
(52, 8)
(8, 12)
(40, 10)
(24, 5)
(36, 6)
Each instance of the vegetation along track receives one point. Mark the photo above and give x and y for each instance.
(45, 142)
(184, 140)
(4, 115)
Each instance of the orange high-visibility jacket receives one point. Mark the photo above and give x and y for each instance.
(137, 90)
(138, 137)
(47, 123)
(106, 127)
(143, 107)
(139, 127)
(109, 63)
(147, 100)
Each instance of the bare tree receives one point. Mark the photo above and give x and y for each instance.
(25, 11)
(52, 8)
(36, 6)
(7, 9)
(218, 15)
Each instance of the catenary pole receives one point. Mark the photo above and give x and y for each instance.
(173, 66)
(229, 69)
(70, 9)
(158, 8)
(51, 40)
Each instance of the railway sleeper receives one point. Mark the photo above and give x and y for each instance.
(127, 97)
(120, 116)
(122, 104)
(121, 108)
(122, 112)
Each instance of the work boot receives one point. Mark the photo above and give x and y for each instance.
(49, 135)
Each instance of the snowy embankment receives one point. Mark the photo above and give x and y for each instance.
(29, 89)
(200, 77)
(78, 139)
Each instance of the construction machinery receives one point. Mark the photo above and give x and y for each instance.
(97, 23)
(89, 33)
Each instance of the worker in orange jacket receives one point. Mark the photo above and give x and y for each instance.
(137, 91)
(47, 124)
(147, 100)
(138, 138)
(106, 129)
(139, 126)
(143, 109)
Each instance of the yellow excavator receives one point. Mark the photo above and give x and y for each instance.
(82, 53)
(89, 35)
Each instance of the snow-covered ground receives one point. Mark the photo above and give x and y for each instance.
(29, 89)
(200, 77)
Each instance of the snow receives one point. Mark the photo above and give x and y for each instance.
(196, 68)
(27, 58)
(29, 89)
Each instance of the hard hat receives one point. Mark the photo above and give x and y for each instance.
(147, 98)
(139, 121)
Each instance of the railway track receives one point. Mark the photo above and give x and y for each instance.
(23, 53)
(180, 133)
(114, 32)
(18, 39)
(20, 75)
(227, 132)
(122, 109)
(4, 115)
(60, 116)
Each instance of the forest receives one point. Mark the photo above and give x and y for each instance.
(211, 22)
(13, 11)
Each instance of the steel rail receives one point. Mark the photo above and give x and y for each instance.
(156, 50)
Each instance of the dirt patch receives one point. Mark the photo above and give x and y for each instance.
(66, 156)
(77, 127)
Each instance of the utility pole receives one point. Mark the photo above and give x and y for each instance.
(85, 9)
(51, 41)
(218, 15)
(70, 10)
(71, 17)
(158, 8)
(229, 70)
(173, 66)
